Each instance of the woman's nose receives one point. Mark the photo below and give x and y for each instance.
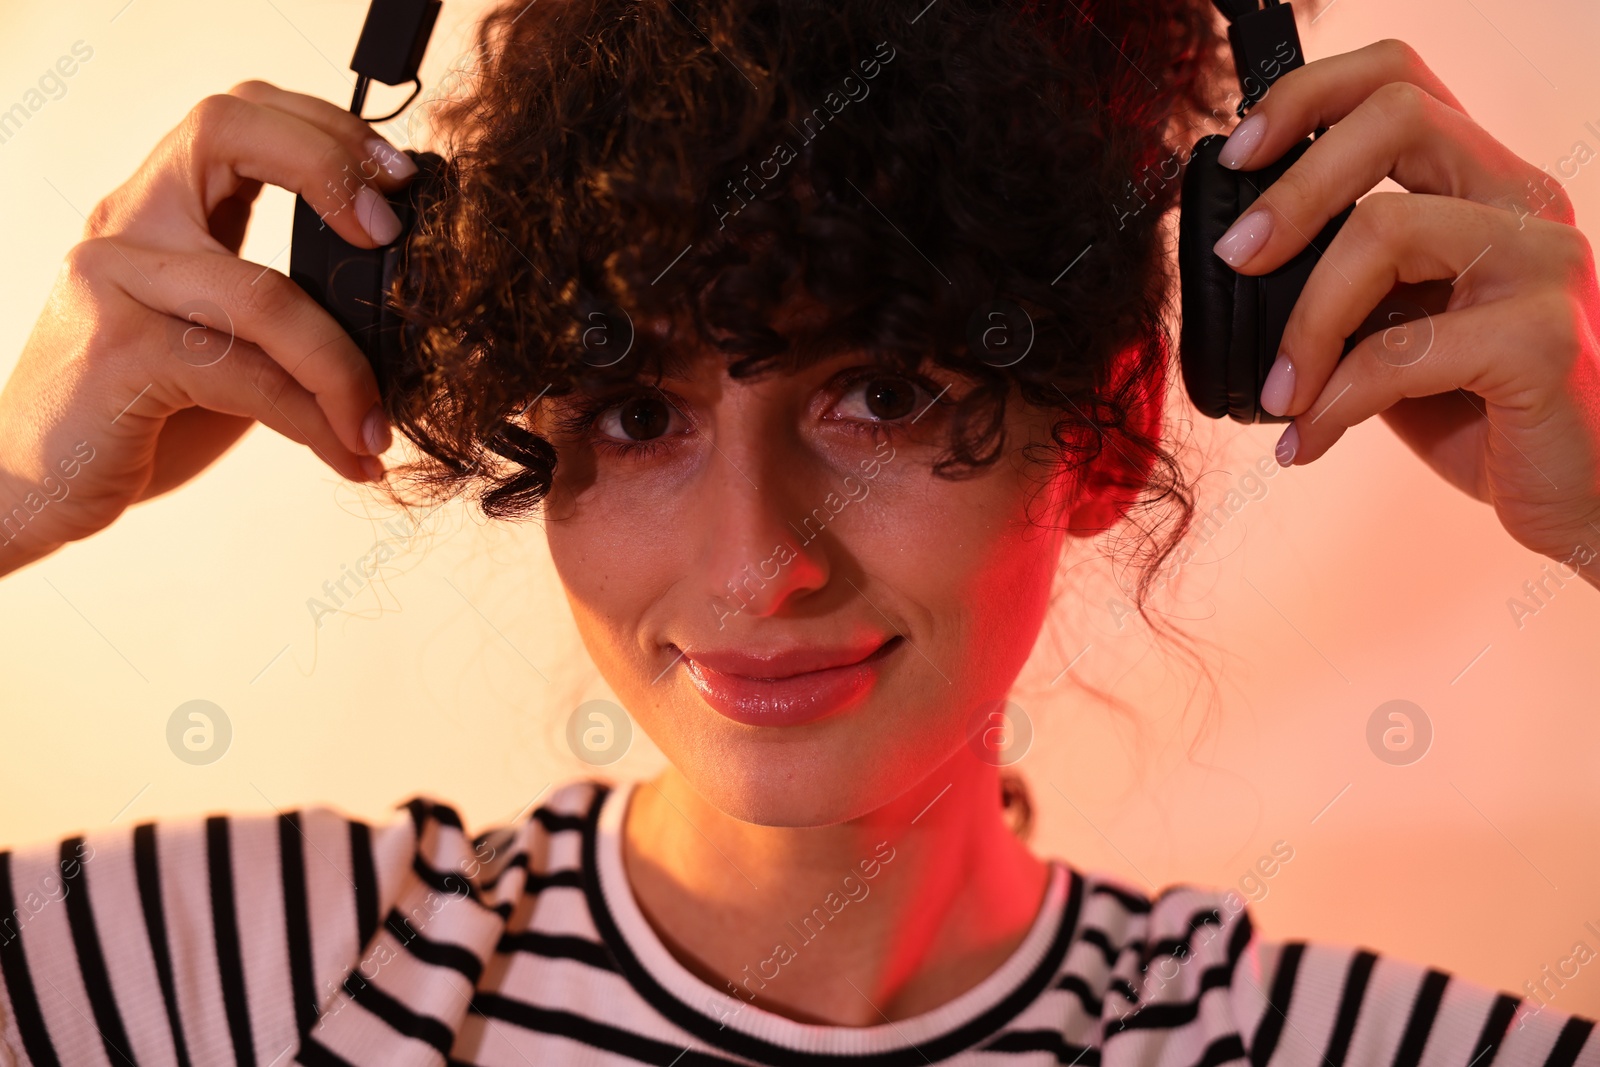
(759, 555)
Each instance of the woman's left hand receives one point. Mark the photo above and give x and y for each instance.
(1496, 385)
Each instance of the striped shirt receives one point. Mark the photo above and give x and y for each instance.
(311, 938)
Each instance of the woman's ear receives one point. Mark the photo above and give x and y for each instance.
(1110, 484)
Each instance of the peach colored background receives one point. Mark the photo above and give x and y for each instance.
(1354, 581)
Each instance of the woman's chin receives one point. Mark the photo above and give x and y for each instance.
(800, 792)
(839, 767)
(820, 781)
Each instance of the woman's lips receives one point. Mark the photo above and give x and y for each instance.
(789, 691)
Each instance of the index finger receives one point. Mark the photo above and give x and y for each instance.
(1323, 92)
(1396, 129)
(378, 160)
(1399, 132)
(226, 142)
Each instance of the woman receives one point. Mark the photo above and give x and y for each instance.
(713, 294)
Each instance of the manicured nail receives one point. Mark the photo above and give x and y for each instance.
(395, 163)
(1278, 390)
(375, 430)
(1241, 143)
(1287, 446)
(1244, 238)
(372, 467)
(376, 216)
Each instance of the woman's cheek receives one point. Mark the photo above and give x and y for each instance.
(612, 567)
(965, 552)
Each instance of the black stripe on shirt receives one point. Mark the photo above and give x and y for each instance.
(1097, 937)
(519, 860)
(1129, 902)
(1051, 1041)
(449, 883)
(535, 881)
(1224, 1049)
(314, 1053)
(1153, 1016)
(19, 981)
(365, 881)
(1570, 1042)
(225, 929)
(555, 822)
(398, 1017)
(1494, 1030)
(147, 869)
(1079, 988)
(91, 960)
(589, 1032)
(1271, 1026)
(559, 946)
(1420, 1022)
(432, 811)
(437, 953)
(1168, 1016)
(297, 921)
(1180, 946)
(567, 878)
(1355, 987)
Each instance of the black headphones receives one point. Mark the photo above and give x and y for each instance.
(353, 283)
(1232, 323)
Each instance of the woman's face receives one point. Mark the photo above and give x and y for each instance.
(731, 547)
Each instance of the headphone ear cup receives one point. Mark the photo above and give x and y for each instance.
(1232, 322)
(1206, 344)
(1274, 294)
(354, 284)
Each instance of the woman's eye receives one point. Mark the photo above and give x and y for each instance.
(882, 398)
(642, 418)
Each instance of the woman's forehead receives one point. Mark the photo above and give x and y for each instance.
(673, 349)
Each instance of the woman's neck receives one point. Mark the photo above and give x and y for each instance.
(869, 921)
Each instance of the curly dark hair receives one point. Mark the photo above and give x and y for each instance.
(615, 162)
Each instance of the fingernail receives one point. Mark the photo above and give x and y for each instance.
(376, 216)
(1287, 446)
(375, 430)
(372, 467)
(1241, 143)
(395, 163)
(1278, 390)
(1243, 239)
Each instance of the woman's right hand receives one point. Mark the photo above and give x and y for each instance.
(159, 347)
